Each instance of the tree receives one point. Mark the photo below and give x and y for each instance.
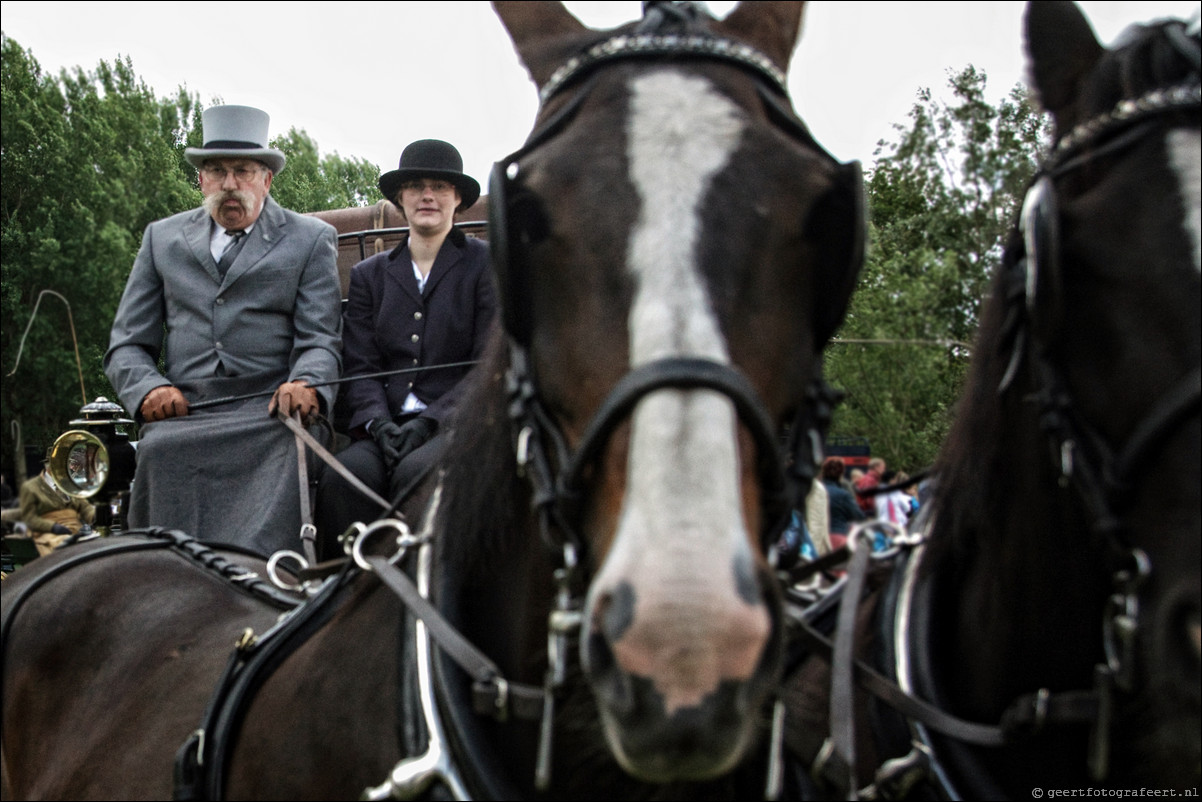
(88, 160)
(941, 199)
(310, 183)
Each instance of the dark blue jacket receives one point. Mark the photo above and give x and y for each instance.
(388, 325)
(844, 510)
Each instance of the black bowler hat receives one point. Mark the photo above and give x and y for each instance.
(434, 159)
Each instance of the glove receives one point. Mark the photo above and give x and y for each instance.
(295, 396)
(397, 442)
(164, 402)
(59, 529)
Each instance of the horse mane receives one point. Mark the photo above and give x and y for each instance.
(1145, 57)
(482, 495)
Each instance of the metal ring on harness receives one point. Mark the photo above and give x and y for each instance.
(273, 563)
(405, 538)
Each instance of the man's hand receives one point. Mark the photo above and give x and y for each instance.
(164, 402)
(295, 397)
(398, 441)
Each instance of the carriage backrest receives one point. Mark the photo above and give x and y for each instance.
(367, 230)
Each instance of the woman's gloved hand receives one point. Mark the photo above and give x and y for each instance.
(398, 441)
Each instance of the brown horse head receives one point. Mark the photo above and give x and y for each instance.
(676, 251)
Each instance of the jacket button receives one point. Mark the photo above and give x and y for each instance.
(415, 338)
(417, 315)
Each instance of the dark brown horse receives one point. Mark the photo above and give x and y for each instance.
(1052, 612)
(673, 250)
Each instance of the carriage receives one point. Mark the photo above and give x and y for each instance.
(586, 603)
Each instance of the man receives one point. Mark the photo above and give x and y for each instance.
(238, 297)
(870, 480)
(427, 303)
(51, 515)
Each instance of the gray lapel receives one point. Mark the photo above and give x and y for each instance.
(196, 233)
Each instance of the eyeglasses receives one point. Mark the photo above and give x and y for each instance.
(437, 187)
(242, 173)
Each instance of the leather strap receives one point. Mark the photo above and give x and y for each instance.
(329, 459)
(492, 694)
(843, 710)
(308, 532)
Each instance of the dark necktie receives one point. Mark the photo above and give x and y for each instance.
(231, 250)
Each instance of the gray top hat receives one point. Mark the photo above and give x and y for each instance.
(435, 159)
(235, 132)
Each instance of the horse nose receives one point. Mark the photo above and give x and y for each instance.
(685, 638)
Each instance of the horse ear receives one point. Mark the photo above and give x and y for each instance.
(772, 28)
(1061, 48)
(838, 222)
(542, 33)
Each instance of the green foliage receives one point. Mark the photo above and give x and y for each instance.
(89, 159)
(312, 184)
(941, 198)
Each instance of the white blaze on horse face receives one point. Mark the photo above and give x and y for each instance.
(681, 532)
(1184, 156)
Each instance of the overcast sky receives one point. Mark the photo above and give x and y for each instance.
(364, 79)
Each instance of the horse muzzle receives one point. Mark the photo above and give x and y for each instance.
(680, 671)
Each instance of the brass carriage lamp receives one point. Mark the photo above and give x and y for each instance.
(95, 460)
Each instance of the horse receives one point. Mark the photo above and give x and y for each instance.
(1040, 629)
(588, 605)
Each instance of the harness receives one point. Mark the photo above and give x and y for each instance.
(1101, 475)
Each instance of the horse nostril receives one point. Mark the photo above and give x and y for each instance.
(614, 612)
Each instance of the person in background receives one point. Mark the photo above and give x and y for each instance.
(50, 515)
(843, 508)
(893, 505)
(240, 298)
(429, 302)
(870, 480)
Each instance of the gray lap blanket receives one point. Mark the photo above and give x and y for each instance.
(226, 475)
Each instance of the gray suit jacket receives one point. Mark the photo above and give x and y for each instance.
(275, 317)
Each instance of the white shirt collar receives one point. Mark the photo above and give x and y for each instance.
(421, 280)
(219, 240)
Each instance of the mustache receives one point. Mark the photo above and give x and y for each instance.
(245, 199)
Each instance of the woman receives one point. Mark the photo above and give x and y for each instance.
(843, 508)
(427, 303)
